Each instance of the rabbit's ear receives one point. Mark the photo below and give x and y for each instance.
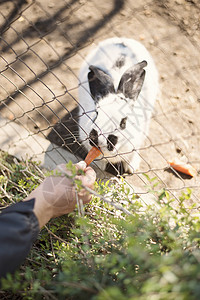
(100, 83)
(132, 80)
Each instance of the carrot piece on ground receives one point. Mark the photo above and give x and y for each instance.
(182, 167)
(92, 154)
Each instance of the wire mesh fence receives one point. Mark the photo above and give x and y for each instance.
(44, 44)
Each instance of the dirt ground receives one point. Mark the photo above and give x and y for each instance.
(44, 44)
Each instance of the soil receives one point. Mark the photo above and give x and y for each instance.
(44, 44)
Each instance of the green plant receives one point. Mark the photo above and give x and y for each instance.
(151, 253)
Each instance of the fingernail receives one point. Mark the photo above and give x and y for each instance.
(82, 164)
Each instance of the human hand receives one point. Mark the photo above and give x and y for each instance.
(57, 195)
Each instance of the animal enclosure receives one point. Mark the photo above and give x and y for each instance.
(43, 45)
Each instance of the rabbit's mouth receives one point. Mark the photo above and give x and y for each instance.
(107, 144)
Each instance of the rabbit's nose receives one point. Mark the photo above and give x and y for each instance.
(111, 142)
(93, 138)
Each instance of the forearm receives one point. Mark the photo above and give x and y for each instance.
(21, 222)
(19, 229)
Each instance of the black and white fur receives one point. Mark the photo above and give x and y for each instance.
(117, 92)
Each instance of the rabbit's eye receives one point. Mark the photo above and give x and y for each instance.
(123, 123)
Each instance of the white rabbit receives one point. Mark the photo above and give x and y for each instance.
(114, 115)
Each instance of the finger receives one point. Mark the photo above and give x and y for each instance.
(85, 196)
(81, 165)
(90, 173)
(89, 179)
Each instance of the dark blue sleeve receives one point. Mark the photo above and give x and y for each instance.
(19, 228)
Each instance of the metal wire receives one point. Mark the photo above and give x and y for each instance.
(42, 47)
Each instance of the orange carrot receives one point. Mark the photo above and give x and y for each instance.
(182, 167)
(92, 154)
